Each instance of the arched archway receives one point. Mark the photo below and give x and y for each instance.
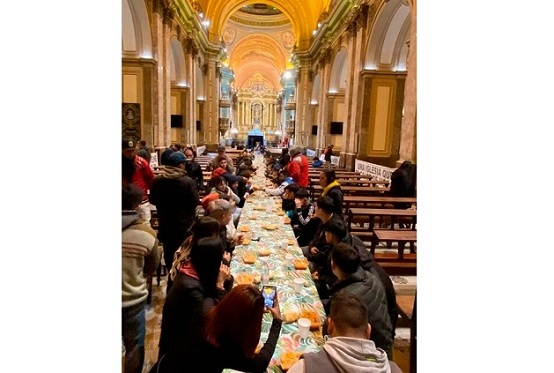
(136, 35)
(387, 48)
(339, 72)
(177, 63)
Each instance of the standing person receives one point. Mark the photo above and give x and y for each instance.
(140, 258)
(331, 188)
(329, 153)
(136, 170)
(233, 330)
(349, 349)
(144, 152)
(298, 167)
(176, 198)
(215, 162)
(198, 287)
(193, 168)
(345, 263)
(403, 183)
(167, 152)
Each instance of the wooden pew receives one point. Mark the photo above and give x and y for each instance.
(352, 190)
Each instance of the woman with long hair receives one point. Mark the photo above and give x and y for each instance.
(233, 331)
(204, 227)
(198, 287)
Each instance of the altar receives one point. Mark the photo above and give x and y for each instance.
(254, 136)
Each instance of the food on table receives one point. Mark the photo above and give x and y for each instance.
(264, 251)
(249, 258)
(245, 228)
(301, 263)
(269, 227)
(313, 316)
(286, 220)
(280, 212)
(253, 217)
(290, 316)
(245, 278)
(292, 241)
(288, 358)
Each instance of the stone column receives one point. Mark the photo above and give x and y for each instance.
(408, 142)
(303, 89)
(191, 51)
(162, 19)
(211, 109)
(324, 101)
(353, 100)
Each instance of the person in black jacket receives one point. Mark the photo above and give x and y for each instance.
(233, 331)
(403, 183)
(164, 158)
(175, 197)
(331, 188)
(336, 232)
(198, 287)
(304, 225)
(193, 168)
(345, 263)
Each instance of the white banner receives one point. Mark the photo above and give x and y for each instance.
(377, 171)
(335, 160)
(200, 150)
(310, 153)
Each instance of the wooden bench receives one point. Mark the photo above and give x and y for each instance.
(395, 268)
(401, 236)
(407, 308)
(395, 216)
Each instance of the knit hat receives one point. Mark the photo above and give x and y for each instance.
(218, 172)
(220, 148)
(207, 199)
(176, 158)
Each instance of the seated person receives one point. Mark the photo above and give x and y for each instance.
(283, 180)
(349, 349)
(302, 221)
(288, 205)
(353, 279)
(233, 330)
(317, 162)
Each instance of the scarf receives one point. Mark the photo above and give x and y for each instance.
(328, 188)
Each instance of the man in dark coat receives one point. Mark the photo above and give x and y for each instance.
(164, 158)
(175, 196)
(345, 263)
(193, 168)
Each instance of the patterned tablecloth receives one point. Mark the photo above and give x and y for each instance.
(259, 213)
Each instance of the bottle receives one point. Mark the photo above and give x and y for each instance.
(265, 273)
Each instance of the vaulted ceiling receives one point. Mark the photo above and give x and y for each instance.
(260, 35)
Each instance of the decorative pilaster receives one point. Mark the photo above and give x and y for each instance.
(211, 79)
(303, 90)
(408, 150)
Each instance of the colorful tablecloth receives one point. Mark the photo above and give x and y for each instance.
(261, 212)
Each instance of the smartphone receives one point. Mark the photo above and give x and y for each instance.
(269, 292)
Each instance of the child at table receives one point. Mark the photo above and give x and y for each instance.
(302, 221)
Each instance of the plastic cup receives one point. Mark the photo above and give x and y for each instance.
(285, 245)
(298, 284)
(289, 260)
(304, 327)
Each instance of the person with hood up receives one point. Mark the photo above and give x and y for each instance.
(349, 350)
(175, 196)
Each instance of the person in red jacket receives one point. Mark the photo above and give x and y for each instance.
(298, 167)
(137, 171)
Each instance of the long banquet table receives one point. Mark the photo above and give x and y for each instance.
(262, 210)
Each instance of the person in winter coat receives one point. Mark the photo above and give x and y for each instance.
(298, 167)
(331, 188)
(349, 350)
(345, 263)
(198, 287)
(175, 196)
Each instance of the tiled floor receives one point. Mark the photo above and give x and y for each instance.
(402, 284)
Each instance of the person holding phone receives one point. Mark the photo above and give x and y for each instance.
(233, 331)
